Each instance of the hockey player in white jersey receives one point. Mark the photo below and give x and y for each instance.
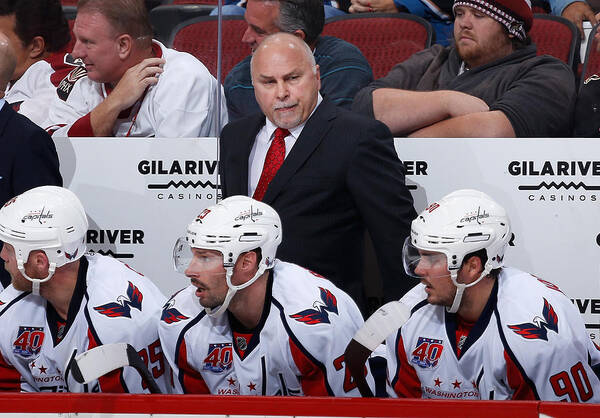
(134, 86)
(62, 302)
(474, 328)
(250, 324)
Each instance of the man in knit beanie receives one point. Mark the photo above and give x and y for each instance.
(488, 83)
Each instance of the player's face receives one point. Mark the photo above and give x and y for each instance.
(97, 45)
(286, 84)
(479, 38)
(433, 270)
(7, 26)
(260, 17)
(207, 273)
(18, 281)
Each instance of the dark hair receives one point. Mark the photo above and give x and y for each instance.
(482, 255)
(305, 15)
(38, 18)
(126, 16)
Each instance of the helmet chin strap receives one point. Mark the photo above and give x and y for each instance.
(35, 283)
(460, 287)
(233, 289)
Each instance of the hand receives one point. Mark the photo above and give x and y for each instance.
(577, 12)
(134, 82)
(378, 6)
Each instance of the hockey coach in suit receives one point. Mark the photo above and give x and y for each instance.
(329, 173)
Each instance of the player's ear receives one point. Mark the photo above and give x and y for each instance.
(37, 264)
(124, 45)
(37, 47)
(474, 267)
(249, 260)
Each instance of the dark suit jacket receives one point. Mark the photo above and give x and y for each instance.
(342, 174)
(28, 159)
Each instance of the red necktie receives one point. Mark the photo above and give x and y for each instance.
(273, 160)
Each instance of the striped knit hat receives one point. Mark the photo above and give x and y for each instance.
(515, 15)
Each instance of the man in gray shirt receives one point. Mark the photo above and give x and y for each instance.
(490, 83)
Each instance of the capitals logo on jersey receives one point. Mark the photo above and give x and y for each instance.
(29, 341)
(427, 353)
(122, 307)
(219, 358)
(538, 329)
(170, 314)
(319, 315)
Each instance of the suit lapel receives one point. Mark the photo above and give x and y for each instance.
(5, 113)
(246, 141)
(313, 133)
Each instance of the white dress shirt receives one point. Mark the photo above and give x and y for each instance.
(261, 145)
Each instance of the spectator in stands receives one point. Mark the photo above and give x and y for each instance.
(134, 85)
(27, 154)
(344, 70)
(237, 7)
(439, 12)
(490, 83)
(39, 33)
(339, 175)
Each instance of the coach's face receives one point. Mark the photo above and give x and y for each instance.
(98, 46)
(286, 84)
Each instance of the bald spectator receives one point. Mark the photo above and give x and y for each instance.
(134, 86)
(40, 35)
(489, 84)
(27, 154)
(344, 70)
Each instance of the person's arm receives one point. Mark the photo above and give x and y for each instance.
(493, 124)
(575, 11)
(377, 185)
(128, 90)
(378, 6)
(406, 111)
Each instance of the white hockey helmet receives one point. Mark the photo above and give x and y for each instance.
(462, 222)
(234, 226)
(47, 218)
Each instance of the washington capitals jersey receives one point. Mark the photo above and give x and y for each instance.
(111, 303)
(297, 348)
(32, 94)
(529, 343)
